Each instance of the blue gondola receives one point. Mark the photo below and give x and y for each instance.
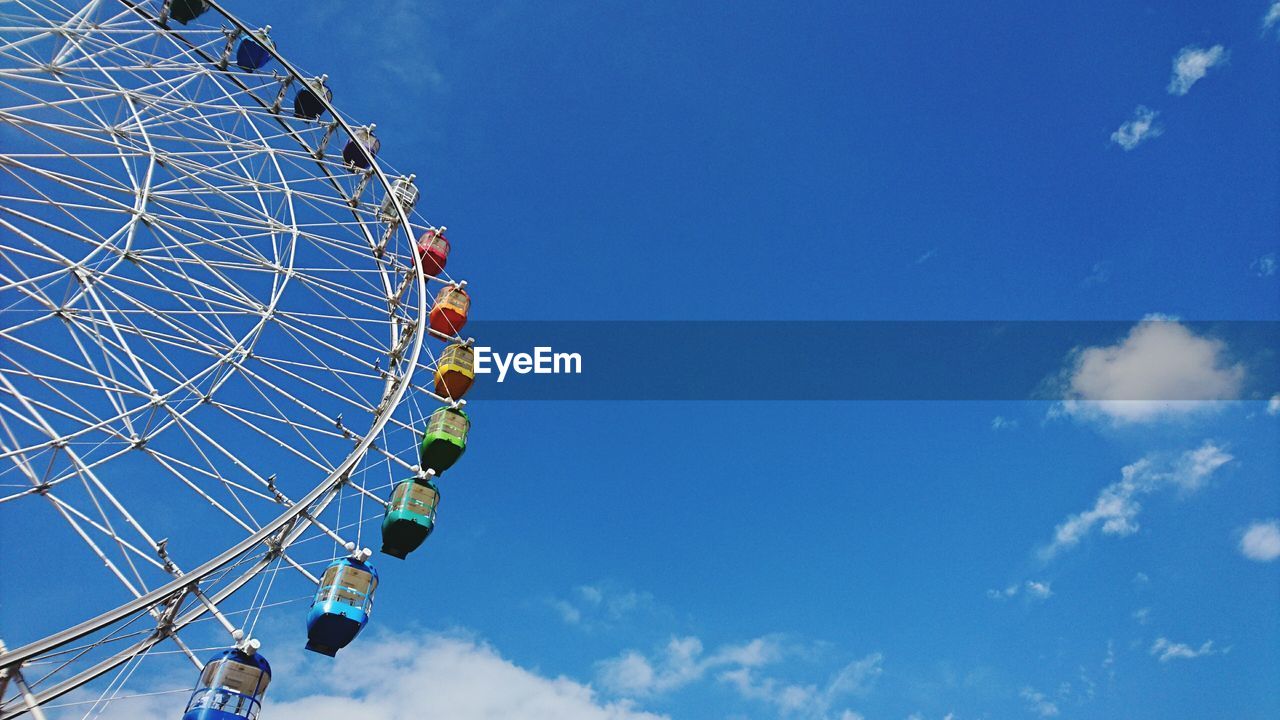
(361, 148)
(309, 102)
(231, 687)
(342, 605)
(184, 11)
(253, 53)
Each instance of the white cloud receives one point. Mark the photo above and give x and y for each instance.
(682, 662)
(1000, 422)
(1272, 17)
(1117, 506)
(1039, 703)
(1141, 128)
(632, 674)
(570, 614)
(1039, 590)
(1265, 266)
(602, 605)
(927, 256)
(1034, 589)
(1099, 274)
(1167, 650)
(1160, 369)
(1261, 541)
(1191, 64)
(392, 677)
(1008, 592)
(1142, 615)
(1273, 405)
(808, 700)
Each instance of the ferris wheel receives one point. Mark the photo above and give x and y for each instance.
(230, 355)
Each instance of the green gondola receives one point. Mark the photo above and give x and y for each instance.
(410, 517)
(184, 11)
(444, 440)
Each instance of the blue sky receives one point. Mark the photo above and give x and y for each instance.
(843, 560)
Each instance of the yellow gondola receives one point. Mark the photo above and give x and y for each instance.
(455, 371)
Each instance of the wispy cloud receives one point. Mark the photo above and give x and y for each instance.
(1273, 405)
(1116, 509)
(1141, 128)
(808, 700)
(1272, 18)
(1039, 703)
(1160, 369)
(928, 255)
(1265, 266)
(409, 44)
(1099, 274)
(1000, 422)
(602, 605)
(1191, 64)
(1166, 650)
(683, 662)
(1261, 541)
(1035, 590)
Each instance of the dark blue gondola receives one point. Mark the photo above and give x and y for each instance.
(308, 104)
(184, 11)
(252, 53)
(231, 687)
(361, 148)
(342, 605)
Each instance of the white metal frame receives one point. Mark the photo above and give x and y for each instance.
(121, 349)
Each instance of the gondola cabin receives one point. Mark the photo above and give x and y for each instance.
(253, 53)
(308, 104)
(404, 190)
(444, 440)
(361, 149)
(433, 251)
(449, 313)
(231, 687)
(184, 11)
(410, 517)
(342, 605)
(455, 371)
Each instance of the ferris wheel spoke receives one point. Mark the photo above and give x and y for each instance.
(171, 465)
(199, 441)
(69, 364)
(355, 402)
(109, 205)
(91, 482)
(94, 240)
(225, 288)
(101, 179)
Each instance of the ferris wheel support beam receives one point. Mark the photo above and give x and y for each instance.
(295, 530)
(15, 676)
(406, 337)
(17, 656)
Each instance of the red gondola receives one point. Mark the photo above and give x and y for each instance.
(433, 251)
(450, 311)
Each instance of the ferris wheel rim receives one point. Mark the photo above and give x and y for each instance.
(396, 385)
